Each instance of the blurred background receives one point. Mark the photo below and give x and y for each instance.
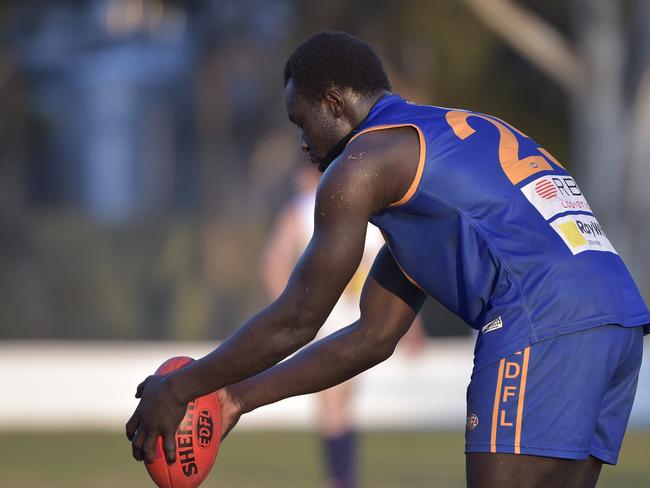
(144, 156)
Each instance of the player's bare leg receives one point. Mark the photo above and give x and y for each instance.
(339, 441)
(493, 470)
(334, 409)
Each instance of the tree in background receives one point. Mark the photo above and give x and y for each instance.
(605, 73)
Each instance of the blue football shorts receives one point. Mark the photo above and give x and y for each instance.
(566, 397)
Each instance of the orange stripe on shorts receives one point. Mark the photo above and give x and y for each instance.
(495, 412)
(520, 404)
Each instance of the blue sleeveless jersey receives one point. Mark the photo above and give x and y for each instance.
(497, 230)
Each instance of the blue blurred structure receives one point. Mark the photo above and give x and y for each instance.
(110, 80)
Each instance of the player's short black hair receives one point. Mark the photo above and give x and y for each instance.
(335, 59)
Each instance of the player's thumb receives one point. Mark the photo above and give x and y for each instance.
(140, 388)
(225, 430)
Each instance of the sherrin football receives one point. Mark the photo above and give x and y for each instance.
(197, 439)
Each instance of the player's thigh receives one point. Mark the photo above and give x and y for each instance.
(494, 470)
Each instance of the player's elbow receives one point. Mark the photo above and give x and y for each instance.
(379, 343)
(385, 349)
(298, 325)
(305, 330)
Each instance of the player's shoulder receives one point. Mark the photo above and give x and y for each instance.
(384, 141)
(384, 159)
(377, 166)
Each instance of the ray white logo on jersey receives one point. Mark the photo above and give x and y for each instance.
(552, 195)
(582, 233)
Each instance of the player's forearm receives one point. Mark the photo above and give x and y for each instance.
(258, 344)
(324, 364)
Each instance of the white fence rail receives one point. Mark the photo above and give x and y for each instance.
(84, 385)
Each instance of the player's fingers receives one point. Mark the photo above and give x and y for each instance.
(132, 426)
(149, 448)
(136, 444)
(169, 446)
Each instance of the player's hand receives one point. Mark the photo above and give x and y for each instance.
(231, 410)
(158, 414)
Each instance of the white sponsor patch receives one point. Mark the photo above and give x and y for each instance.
(552, 195)
(582, 233)
(493, 325)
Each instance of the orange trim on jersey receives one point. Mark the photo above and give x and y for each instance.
(549, 156)
(520, 404)
(418, 173)
(495, 411)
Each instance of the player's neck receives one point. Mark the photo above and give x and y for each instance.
(359, 112)
(364, 105)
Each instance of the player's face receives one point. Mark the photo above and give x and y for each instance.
(320, 129)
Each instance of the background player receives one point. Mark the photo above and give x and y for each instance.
(289, 239)
(559, 315)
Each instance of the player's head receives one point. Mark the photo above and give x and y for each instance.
(329, 81)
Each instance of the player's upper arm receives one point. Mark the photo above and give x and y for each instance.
(354, 187)
(389, 303)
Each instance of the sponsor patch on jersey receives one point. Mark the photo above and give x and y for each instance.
(553, 194)
(582, 233)
(493, 325)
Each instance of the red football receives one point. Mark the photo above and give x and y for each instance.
(197, 440)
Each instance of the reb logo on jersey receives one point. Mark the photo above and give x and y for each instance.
(552, 195)
(545, 189)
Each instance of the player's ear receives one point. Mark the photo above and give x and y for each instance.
(335, 101)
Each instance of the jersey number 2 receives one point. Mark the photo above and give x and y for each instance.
(515, 169)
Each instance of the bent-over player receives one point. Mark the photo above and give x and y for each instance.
(476, 214)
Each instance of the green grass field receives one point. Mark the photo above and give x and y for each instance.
(261, 460)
